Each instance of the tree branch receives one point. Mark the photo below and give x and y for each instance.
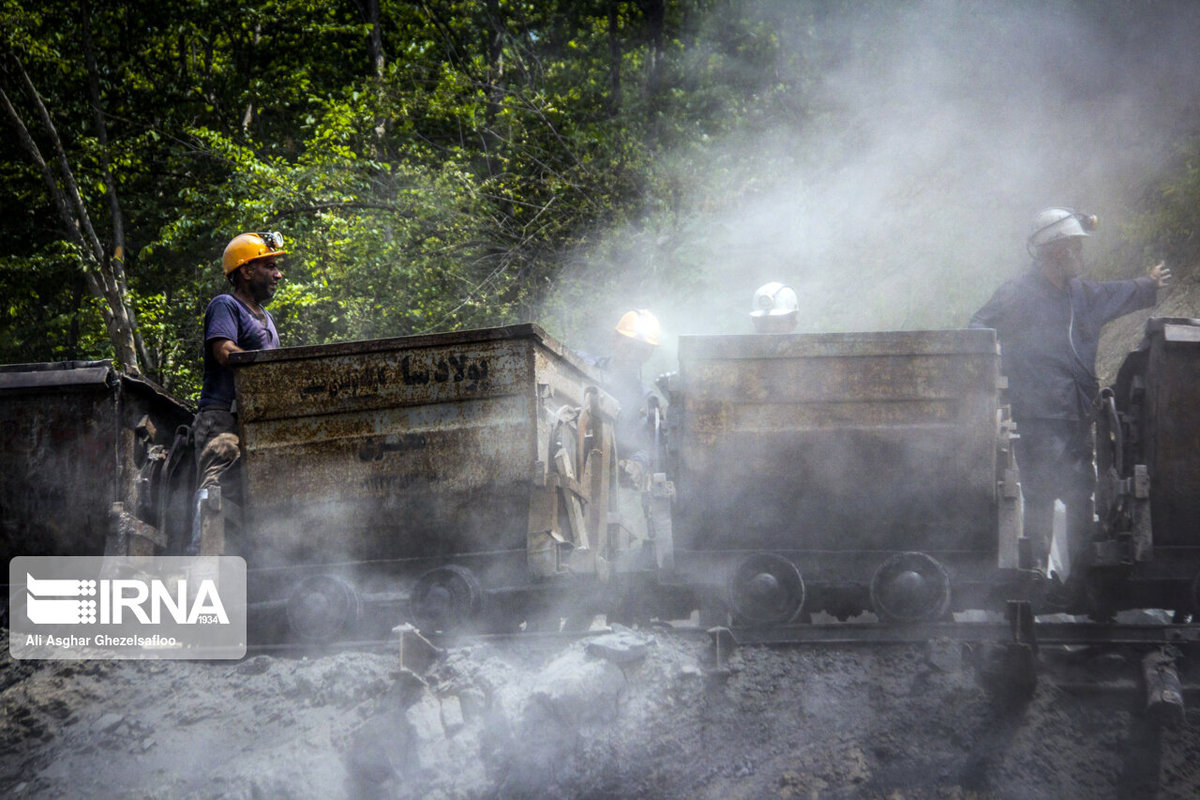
(117, 261)
(56, 196)
(118, 314)
(310, 207)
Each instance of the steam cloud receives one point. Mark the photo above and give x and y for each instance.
(895, 189)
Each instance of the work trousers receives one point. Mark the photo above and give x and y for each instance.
(218, 463)
(215, 433)
(1056, 460)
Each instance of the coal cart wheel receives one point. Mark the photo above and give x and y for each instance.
(321, 608)
(445, 599)
(910, 587)
(766, 589)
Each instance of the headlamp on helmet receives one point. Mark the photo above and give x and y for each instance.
(775, 308)
(247, 247)
(1053, 224)
(774, 299)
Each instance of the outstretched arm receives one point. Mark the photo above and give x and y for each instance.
(1112, 299)
(1161, 274)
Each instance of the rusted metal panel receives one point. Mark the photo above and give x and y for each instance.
(422, 448)
(864, 441)
(1170, 430)
(962, 341)
(74, 375)
(70, 452)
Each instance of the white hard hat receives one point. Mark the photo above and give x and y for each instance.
(1051, 224)
(774, 300)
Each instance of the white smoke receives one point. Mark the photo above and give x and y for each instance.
(894, 187)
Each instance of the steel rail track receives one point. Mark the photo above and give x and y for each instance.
(840, 634)
(1045, 633)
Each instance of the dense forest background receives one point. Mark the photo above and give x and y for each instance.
(444, 164)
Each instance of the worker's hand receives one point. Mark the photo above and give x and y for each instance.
(1160, 274)
(632, 474)
(222, 349)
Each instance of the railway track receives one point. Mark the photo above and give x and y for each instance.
(1043, 633)
(1010, 657)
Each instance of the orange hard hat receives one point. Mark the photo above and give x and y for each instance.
(640, 325)
(249, 246)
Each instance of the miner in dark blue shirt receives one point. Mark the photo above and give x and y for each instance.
(1048, 323)
(234, 322)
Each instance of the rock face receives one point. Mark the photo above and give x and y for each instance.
(623, 714)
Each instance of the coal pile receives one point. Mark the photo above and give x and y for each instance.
(623, 714)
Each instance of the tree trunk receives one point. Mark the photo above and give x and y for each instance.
(370, 11)
(116, 263)
(375, 39)
(104, 275)
(656, 11)
(614, 58)
(495, 83)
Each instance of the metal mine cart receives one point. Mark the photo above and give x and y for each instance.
(467, 478)
(842, 472)
(87, 462)
(1148, 460)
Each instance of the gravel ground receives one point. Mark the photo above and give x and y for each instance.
(631, 714)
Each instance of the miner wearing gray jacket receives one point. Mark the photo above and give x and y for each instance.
(1048, 323)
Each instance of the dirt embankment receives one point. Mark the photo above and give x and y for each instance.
(647, 716)
(1180, 299)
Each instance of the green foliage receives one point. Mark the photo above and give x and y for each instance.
(464, 179)
(1169, 221)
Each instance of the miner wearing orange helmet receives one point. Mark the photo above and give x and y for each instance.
(634, 339)
(233, 322)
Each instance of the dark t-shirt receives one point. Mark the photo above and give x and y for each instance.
(228, 318)
(1049, 338)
